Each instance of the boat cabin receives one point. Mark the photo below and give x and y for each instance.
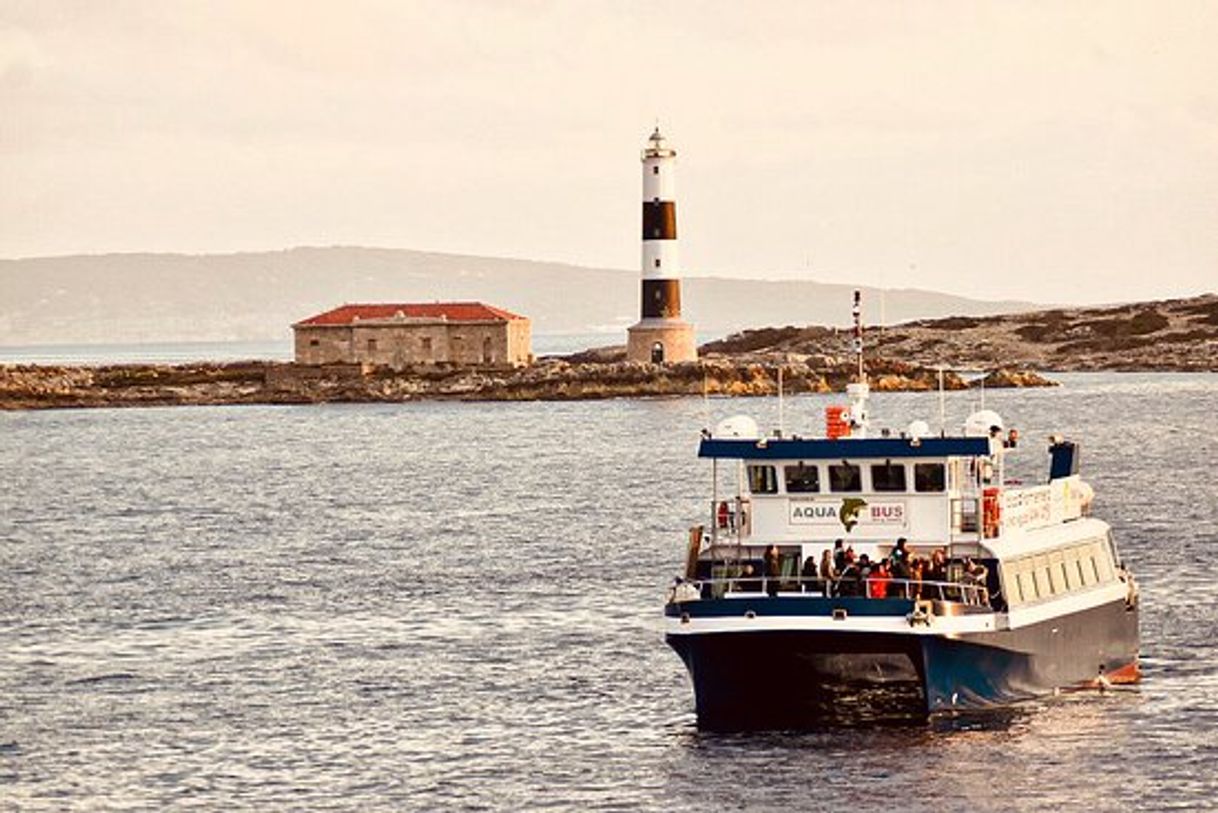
(944, 493)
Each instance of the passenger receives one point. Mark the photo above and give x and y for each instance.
(880, 581)
(975, 575)
(772, 562)
(746, 583)
(849, 581)
(850, 557)
(936, 572)
(865, 569)
(839, 556)
(828, 573)
(917, 567)
(899, 560)
(807, 576)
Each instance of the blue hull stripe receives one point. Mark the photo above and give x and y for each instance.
(787, 606)
(792, 449)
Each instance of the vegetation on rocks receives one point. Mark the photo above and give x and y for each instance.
(1171, 335)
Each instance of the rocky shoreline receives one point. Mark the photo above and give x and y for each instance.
(263, 382)
(1173, 335)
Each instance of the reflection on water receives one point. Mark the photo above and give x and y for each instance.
(430, 606)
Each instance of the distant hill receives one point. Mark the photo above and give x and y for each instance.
(1173, 334)
(121, 298)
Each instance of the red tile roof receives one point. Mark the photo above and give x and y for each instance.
(452, 311)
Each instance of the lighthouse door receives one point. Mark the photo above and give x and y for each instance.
(657, 353)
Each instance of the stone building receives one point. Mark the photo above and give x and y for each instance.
(467, 333)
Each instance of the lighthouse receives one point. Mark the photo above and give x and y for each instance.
(660, 336)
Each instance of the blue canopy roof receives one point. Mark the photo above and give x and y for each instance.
(823, 449)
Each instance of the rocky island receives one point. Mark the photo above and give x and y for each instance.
(1176, 335)
(1179, 335)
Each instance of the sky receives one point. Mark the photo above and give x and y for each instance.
(1062, 152)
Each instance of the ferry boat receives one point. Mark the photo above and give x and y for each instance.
(998, 591)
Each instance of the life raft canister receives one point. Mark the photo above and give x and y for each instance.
(991, 512)
(837, 422)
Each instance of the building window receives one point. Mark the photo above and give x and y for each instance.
(888, 477)
(655, 169)
(763, 480)
(657, 262)
(845, 477)
(929, 477)
(487, 354)
(314, 343)
(427, 345)
(372, 345)
(802, 479)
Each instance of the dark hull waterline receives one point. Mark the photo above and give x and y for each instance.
(794, 679)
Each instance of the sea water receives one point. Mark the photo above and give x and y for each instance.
(446, 605)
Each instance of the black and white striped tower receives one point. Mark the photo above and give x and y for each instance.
(660, 336)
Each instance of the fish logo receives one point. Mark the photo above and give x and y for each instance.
(849, 515)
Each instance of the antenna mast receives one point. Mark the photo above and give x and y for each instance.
(858, 336)
(858, 391)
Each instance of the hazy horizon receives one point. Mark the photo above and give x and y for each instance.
(1052, 153)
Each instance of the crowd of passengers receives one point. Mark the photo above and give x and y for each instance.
(899, 575)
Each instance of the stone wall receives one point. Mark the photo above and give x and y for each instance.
(323, 345)
(677, 339)
(400, 344)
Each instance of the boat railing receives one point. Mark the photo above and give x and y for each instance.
(795, 586)
(729, 520)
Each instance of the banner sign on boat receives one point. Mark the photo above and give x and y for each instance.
(1025, 509)
(849, 513)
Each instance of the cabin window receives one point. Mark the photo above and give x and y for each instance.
(802, 479)
(1027, 590)
(1044, 582)
(1039, 565)
(930, 477)
(1103, 558)
(1057, 570)
(845, 477)
(1086, 570)
(888, 477)
(1052, 578)
(763, 480)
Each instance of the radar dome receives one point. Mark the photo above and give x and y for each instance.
(979, 424)
(738, 426)
(918, 429)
